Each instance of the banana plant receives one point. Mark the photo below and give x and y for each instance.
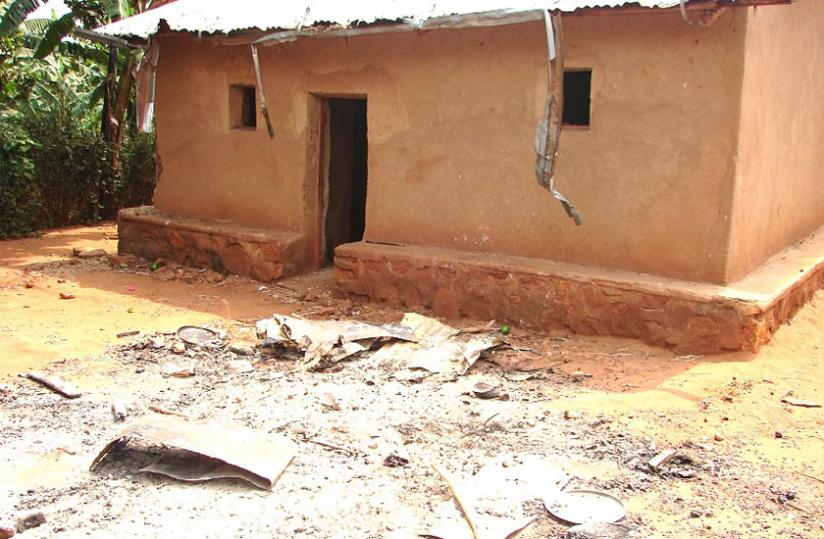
(116, 89)
(15, 13)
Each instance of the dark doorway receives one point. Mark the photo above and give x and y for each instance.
(346, 173)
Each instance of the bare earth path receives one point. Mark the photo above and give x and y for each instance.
(598, 408)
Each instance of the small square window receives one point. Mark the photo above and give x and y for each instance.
(577, 97)
(242, 107)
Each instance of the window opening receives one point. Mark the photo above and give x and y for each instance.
(242, 106)
(577, 97)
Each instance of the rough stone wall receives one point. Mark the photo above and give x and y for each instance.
(262, 256)
(455, 288)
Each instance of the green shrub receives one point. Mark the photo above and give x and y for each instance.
(57, 172)
(73, 169)
(20, 199)
(55, 167)
(138, 171)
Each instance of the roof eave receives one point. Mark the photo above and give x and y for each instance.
(486, 19)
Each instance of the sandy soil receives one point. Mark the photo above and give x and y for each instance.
(597, 408)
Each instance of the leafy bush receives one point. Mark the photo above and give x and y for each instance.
(58, 172)
(139, 169)
(73, 170)
(20, 198)
(56, 167)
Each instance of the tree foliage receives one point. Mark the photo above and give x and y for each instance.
(15, 13)
(57, 166)
(54, 34)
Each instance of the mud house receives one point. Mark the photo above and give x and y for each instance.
(400, 141)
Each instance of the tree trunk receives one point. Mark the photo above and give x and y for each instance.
(124, 91)
(106, 130)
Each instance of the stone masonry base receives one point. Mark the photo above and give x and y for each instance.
(690, 317)
(264, 255)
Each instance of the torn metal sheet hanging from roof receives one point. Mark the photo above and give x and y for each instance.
(264, 107)
(548, 135)
(221, 17)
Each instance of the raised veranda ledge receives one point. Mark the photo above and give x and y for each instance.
(262, 254)
(689, 316)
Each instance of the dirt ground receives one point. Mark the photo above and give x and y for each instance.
(596, 408)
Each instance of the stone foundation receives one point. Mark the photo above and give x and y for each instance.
(264, 255)
(690, 317)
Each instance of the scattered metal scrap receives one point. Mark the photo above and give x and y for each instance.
(490, 504)
(599, 530)
(29, 521)
(659, 460)
(674, 463)
(579, 506)
(165, 411)
(178, 370)
(199, 336)
(423, 345)
(483, 390)
(58, 385)
(198, 452)
(437, 348)
(466, 511)
(792, 401)
(119, 410)
(322, 342)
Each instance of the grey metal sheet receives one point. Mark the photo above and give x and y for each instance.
(222, 17)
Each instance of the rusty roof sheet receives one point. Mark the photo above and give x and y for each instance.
(224, 17)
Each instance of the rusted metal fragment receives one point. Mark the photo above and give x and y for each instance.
(194, 468)
(198, 336)
(200, 452)
(792, 401)
(146, 103)
(661, 459)
(304, 332)
(262, 95)
(436, 347)
(326, 341)
(491, 503)
(58, 385)
(682, 5)
(490, 527)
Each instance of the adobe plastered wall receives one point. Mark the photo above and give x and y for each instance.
(779, 195)
(452, 115)
(208, 169)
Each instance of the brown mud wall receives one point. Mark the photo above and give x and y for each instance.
(452, 116)
(779, 192)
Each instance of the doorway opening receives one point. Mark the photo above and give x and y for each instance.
(345, 171)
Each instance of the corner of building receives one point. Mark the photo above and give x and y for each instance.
(776, 198)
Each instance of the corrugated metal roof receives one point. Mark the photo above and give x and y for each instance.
(223, 16)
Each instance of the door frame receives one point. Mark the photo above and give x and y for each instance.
(317, 178)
